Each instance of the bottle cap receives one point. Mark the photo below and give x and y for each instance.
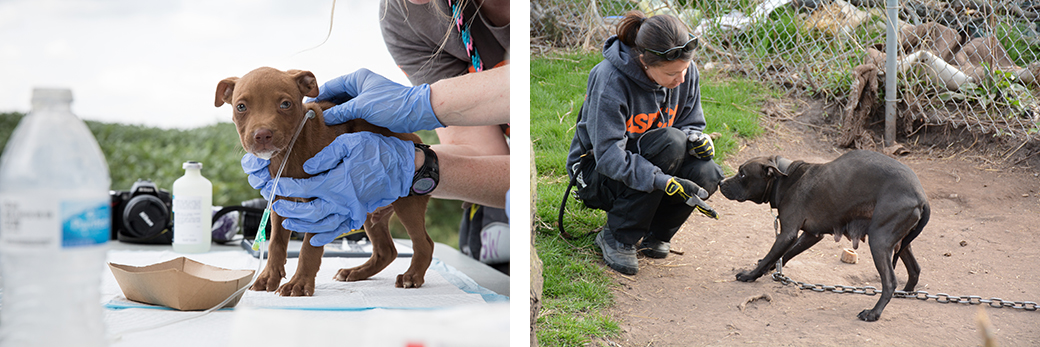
(52, 94)
(192, 165)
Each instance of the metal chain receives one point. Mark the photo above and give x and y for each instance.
(941, 298)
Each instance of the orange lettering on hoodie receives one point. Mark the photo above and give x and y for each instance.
(652, 118)
(640, 123)
(671, 118)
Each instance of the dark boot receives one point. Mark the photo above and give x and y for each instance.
(619, 256)
(653, 248)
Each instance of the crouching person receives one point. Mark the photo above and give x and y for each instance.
(639, 151)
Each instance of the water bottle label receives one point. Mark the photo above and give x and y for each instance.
(32, 224)
(188, 223)
(85, 223)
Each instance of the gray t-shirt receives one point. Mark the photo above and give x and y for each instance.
(414, 35)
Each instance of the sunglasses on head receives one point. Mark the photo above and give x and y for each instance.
(674, 52)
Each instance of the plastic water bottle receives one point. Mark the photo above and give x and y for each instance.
(192, 210)
(55, 219)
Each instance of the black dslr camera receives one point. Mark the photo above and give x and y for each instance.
(143, 214)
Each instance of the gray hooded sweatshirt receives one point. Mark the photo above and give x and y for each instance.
(621, 104)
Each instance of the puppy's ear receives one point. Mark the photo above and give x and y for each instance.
(306, 81)
(224, 91)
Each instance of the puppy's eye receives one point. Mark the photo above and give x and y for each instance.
(241, 107)
(285, 105)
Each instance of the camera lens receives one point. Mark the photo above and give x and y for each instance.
(145, 216)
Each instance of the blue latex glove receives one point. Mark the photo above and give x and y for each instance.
(367, 95)
(355, 174)
(257, 170)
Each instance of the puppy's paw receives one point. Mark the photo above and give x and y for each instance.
(746, 276)
(351, 275)
(869, 316)
(268, 280)
(409, 281)
(297, 287)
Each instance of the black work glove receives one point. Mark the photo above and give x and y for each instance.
(700, 146)
(692, 193)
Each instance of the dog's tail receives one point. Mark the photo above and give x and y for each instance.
(926, 213)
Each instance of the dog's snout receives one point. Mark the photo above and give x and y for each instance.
(728, 188)
(262, 136)
(263, 143)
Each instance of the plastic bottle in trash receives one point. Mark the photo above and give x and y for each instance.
(55, 219)
(192, 210)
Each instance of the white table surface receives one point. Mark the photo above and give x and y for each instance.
(468, 323)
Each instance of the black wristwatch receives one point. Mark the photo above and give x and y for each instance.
(428, 175)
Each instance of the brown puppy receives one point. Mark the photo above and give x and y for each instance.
(268, 109)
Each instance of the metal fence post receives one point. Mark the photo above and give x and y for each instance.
(890, 71)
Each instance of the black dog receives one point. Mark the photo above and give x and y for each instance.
(861, 195)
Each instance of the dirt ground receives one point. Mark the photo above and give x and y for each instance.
(981, 240)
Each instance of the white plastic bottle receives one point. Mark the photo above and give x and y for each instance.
(192, 211)
(55, 222)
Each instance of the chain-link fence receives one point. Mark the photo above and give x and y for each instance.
(969, 63)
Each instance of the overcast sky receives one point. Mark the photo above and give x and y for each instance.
(157, 63)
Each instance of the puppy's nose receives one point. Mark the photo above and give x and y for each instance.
(262, 136)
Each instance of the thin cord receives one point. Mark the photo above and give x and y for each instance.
(332, 16)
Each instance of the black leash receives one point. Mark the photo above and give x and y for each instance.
(563, 205)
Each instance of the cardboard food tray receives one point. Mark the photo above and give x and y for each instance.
(181, 283)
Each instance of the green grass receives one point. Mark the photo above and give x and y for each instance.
(1020, 48)
(138, 152)
(577, 289)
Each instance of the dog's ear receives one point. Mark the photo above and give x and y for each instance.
(225, 89)
(306, 81)
(773, 171)
(773, 168)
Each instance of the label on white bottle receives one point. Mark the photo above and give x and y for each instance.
(36, 224)
(188, 223)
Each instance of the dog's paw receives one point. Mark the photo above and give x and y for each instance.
(869, 316)
(297, 287)
(268, 280)
(409, 281)
(746, 276)
(350, 275)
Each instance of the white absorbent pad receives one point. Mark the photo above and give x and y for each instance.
(444, 286)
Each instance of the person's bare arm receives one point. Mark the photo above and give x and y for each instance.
(472, 99)
(478, 179)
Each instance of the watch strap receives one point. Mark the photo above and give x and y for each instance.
(427, 176)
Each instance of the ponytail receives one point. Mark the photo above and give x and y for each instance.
(628, 28)
(659, 32)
